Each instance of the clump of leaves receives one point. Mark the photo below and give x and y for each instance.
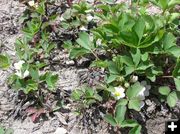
(118, 120)
(33, 50)
(137, 50)
(86, 96)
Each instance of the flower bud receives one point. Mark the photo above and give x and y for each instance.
(120, 79)
(126, 84)
(134, 79)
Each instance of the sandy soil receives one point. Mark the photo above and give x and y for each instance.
(153, 119)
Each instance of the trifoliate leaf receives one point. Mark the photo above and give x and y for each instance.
(164, 90)
(172, 99)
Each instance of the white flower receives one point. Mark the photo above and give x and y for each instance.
(99, 42)
(91, 37)
(21, 74)
(141, 94)
(18, 73)
(26, 73)
(62, 18)
(82, 28)
(18, 65)
(31, 3)
(148, 87)
(89, 17)
(144, 92)
(118, 93)
(134, 79)
(142, 104)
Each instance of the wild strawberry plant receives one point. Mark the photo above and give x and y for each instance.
(137, 50)
(33, 50)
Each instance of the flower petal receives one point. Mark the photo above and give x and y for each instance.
(119, 89)
(122, 95)
(142, 104)
(148, 87)
(19, 64)
(144, 83)
(26, 73)
(146, 93)
(18, 73)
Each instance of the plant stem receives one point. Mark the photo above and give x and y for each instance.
(167, 76)
(95, 54)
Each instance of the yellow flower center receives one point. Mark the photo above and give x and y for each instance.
(117, 94)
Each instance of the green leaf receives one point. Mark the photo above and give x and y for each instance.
(127, 60)
(173, 3)
(99, 63)
(168, 41)
(112, 68)
(129, 70)
(2, 130)
(176, 71)
(165, 90)
(136, 130)
(4, 62)
(177, 83)
(111, 78)
(98, 97)
(129, 39)
(34, 73)
(77, 52)
(172, 99)
(136, 57)
(89, 92)
(174, 50)
(108, 118)
(41, 8)
(84, 41)
(134, 90)
(129, 123)
(76, 94)
(173, 16)
(51, 80)
(149, 22)
(139, 28)
(112, 27)
(9, 131)
(30, 86)
(120, 113)
(110, 89)
(145, 56)
(163, 4)
(122, 102)
(134, 104)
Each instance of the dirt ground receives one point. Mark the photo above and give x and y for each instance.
(153, 117)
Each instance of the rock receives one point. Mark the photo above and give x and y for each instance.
(60, 130)
(75, 130)
(61, 118)
(83, 62)
(70, 62)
